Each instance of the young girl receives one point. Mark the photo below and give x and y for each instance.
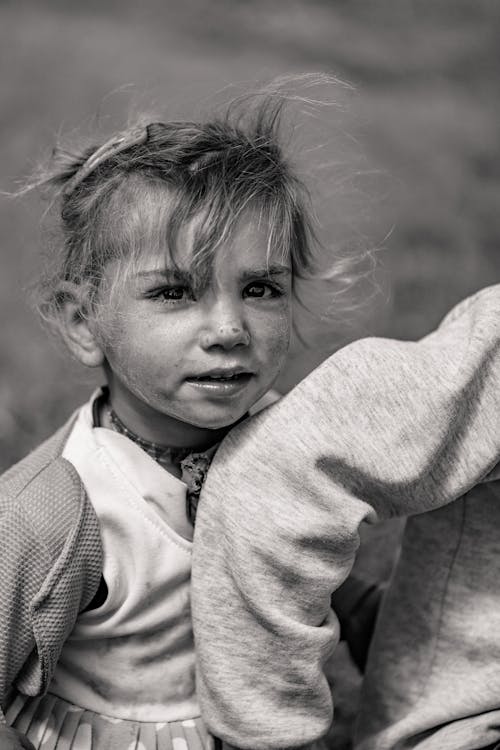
(181, 244)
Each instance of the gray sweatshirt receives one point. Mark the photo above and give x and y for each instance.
(382, 428)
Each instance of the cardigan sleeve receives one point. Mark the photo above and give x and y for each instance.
(50, 565)
(382, 428)
(24, 563)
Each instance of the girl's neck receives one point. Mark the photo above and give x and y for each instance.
(157, 428)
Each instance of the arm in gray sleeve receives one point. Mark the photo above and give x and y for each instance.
(382, 428)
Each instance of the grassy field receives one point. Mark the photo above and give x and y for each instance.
(410, 164)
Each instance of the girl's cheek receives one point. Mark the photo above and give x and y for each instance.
(279, 335)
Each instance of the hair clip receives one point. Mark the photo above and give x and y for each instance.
(110, 148)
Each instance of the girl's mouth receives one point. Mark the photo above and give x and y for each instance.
(221, 384)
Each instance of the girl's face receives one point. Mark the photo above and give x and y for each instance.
(182, 359)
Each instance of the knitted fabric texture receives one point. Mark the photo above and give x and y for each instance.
(49, 569)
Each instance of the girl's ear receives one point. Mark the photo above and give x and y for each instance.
(77, 331)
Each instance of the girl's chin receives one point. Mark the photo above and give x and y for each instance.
(198, 418)
(215, 422)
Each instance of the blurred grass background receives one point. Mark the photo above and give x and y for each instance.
(423, 131)
(417, 149)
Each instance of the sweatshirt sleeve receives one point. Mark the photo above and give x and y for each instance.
(382, 428)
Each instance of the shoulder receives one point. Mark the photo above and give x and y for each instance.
(15, 479)
(485, 302)
(42, 487)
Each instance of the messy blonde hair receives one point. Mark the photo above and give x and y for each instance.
(112, 196)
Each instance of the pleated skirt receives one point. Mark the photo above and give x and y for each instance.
(52, 723)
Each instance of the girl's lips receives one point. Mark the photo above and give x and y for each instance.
(220, 385)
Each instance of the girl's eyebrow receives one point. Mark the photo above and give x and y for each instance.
(266, 271)
(175, 274)
(182, 275)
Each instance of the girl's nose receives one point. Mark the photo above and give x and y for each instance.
(226, 330)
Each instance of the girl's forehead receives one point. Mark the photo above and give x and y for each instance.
(244, 250)
(201, 240)
(248, 237)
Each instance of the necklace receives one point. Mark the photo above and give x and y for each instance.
(163, 454)
(193, 464)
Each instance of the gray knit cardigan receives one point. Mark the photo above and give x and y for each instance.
(50, 563)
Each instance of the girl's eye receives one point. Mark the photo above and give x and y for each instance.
(261, 289)
(172, 294)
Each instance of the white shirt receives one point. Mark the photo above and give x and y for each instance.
(133, 657)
